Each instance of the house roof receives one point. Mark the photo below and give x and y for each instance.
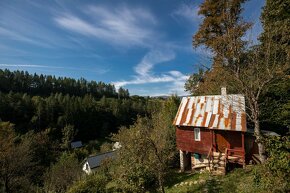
(265, 132)
(76, 144)
(224, 112)
(95, 161)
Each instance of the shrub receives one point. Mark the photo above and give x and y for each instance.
(95, 183)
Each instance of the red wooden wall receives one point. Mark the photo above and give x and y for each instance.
(185, 140)
(234, 138)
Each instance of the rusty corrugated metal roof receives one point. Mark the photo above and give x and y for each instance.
(225, 112)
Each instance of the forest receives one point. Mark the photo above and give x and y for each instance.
(40, 115)
(45, 85)
(36, 103)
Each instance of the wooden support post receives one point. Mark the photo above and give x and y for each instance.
(243, 146)
(182, 160)
(211, 135)
(214, 141)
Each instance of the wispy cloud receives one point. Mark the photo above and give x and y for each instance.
(36, 66)
(30, 66)
(119, 26)
(188, 12)
(152, 58)
(11, 34)
(23, 27)
(144, 74)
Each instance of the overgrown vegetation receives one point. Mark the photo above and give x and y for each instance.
(148, 146)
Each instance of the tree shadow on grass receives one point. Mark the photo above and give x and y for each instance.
(211, 185)
(175, 177)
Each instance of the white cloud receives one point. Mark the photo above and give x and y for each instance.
(188, 12)
(36, 66)
(177, 87)
(118, 26)
(144, 74)
(151, 58)
(10, 34)
(175, 73)
(29, 66)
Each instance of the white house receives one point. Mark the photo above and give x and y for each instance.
(93, 162)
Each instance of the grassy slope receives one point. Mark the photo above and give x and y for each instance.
(239, 180)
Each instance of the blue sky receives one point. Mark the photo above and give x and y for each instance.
(144, 46)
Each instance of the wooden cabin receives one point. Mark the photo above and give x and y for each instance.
(210, 132)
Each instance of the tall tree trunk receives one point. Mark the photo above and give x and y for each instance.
(6, 186)
(160, 181)
(259, 140)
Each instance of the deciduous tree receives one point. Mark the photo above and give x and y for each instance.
(15, 160)
(247, 70)
(148, 146)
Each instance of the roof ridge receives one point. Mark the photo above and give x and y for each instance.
(101, 154)
(214, 95)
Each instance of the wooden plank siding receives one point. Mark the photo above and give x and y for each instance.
(185, 140)
(230, 139)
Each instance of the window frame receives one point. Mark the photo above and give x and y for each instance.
(197, 134)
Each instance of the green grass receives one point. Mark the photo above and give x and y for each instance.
(238, 181)
(176, 178)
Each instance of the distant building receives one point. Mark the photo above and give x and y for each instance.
(76, 144)
(116, 146)
(93, 162)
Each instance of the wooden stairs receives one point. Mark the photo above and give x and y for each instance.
(218, 163)
(256, 158)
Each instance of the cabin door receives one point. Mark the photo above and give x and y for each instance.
(221, 141)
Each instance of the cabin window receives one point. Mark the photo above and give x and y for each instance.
(197, 134)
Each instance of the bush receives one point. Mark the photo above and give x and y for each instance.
(95, 183)
(62, 174)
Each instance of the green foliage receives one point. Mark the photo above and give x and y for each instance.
(90, 117)
(278, 149)
(148, 146)
(131, 171)
(256, 179)
(221, 30)
(81, 153)
(276, 23)
(194, 80)
(62, 174)
(95, 183)
(68, 134)
(105, 147)
(275, 109)
(44, 152)
(20, 81)
(16, 162)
